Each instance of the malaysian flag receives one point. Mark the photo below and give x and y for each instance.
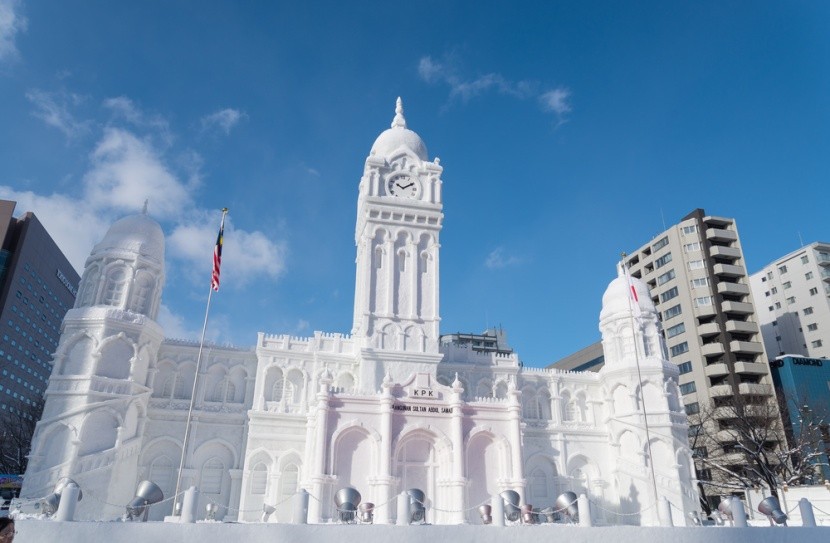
(217, 253)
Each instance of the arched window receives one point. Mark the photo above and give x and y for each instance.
(114, 289)
(278, 389)
(225, 391)
(259, 479)
(142, 290)
(212, 472)
(538, 484)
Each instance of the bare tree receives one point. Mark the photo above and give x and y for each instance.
(17, 424)
(739, 442)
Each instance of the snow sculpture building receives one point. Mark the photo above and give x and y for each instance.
(384, 409)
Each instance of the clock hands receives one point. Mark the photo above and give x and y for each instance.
(406, 187)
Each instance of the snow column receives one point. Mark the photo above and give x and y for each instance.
(514, 409)
(321, 444)
(382, 515)
(458, 483)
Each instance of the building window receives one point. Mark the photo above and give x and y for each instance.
(808, 310)
(769, 275)
(775, 323)
(687, 388)
(672, 312)
(791, 300)
(680, 348)
(669, 294)
(692, 247)
(666, 277)
(692, 409)
(787, 284)
(777, 305)
(662, 261)
(685, 367)
(696, 265)
(804, 259)
(812, 327)
(770, 308)
(703, 301)
(690, 229)
(808, 275)
(675, 330)
(816, 343)
(660, 244)
(774, 290)
(813, 291)
(701, 282)
(782, 269)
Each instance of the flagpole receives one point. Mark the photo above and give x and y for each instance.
(214, 285)
(639, 375)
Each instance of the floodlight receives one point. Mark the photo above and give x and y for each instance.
(695, 518)
(549, 514)
(346, 500)
(267, 510)
(725, 507)
(49, 504)
(211, 509)
(417, 510)
(528, 516)
(485, 511)
(146, 495)
(566, 502)
(365, 512)
(772, 509)
(511, 501)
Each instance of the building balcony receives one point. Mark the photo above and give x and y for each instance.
(720, 391)
(705, 311)
(825, 274)
(737, 289)
(742, 327)
(715, 370)
(823, 260)
(729, 253)
(729, 270)
(718, 234)
(710, 329)
(755, 389)
(747, 347)
(712, 349)
(750, 368)
(740, 308)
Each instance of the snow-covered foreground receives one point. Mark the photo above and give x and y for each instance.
(35, 531)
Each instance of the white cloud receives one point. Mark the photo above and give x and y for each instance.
(245, 255)
(53, 108)
(557, 101)
(432, 71)
(124, 109)
(73, 225)
(224, 119)
(497, 259)
(174, 325)
(12, 22)
(127, 170)
(302, 326)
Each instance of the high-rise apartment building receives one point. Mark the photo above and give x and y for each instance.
(699, 284)
(37, 287)
(793, 296)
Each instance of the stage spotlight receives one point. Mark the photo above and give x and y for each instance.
(267, 510)
(566, 502)
(528, 517)
(486, 511)
(725, 507)
(211, 509)
(346, 500)
(511, 501)
(417, 509)
(772, 509)
(49, 504)
(366, 512)
(146, 495)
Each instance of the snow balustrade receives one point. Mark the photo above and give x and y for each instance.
(504, 509)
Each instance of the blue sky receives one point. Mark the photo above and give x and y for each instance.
(568, 132)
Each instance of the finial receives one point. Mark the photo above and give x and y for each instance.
(387, 379)
(399, 119)
(146, 203)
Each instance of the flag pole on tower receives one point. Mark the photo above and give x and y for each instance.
(214, 286)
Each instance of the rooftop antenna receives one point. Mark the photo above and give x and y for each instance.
(801, 241)
(662, 218)
(147, 202)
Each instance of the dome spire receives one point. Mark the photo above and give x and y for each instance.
(399, 120)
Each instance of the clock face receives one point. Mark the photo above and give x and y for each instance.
(404, 186)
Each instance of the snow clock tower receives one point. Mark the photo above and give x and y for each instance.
(398, 223)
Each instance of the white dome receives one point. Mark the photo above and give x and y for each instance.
(392, 139)
(617, 299)
(137, 234)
